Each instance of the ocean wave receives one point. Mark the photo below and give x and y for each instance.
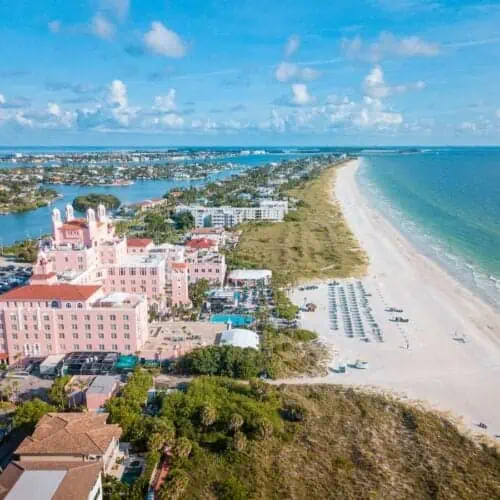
(470, 274)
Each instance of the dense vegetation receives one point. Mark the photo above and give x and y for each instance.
(227, 361)
(92, 200)
(313, 242)
(29, 413)
(21, 197)
(23, 251)
(283, 353)
(238, 441)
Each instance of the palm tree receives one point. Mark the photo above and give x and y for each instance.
(183, 447)
(236, 422)
(208, 415)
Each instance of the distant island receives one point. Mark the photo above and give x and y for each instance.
(24, 196)
(92, 200)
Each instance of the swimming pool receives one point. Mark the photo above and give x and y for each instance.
(236, 319)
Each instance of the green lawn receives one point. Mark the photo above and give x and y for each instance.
(313, 242)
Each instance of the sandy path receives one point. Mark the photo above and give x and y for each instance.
(451, 376)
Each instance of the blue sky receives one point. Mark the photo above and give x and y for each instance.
(215, 72)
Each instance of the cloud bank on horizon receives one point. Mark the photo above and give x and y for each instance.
(368, 72)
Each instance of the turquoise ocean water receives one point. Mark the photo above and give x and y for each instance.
(447, 202)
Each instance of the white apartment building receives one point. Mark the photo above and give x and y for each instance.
(225, 216)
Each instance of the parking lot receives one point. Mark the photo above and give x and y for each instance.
(12, 275)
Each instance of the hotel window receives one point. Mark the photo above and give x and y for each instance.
(113, 327)
(144, 272)
(100, 317)
(125, 317)
(114, 336)
(112, 317)
(47, 327)
(122, 282)
(153, 272)
(48, 336)
(89, 347)
(133, 271)
(16, 348)
(46, 317)
(123, 271)
(13, 317)
(34, 317)
(76, 347)
(133, 282)
(111, 272)
(114, 347)
(61, 326)
(63, 347)
(68, 305)
(26, 336)
(100, 335)
(59, 317)
(88, 335)
(143, 282)
(101, 347)
(36, 336)
(74, 317)
(127, 347)
(14, 336)
(100, 327)
(87, 317)
(80, 259)
(61, 335)
(35, 327)
(25, 327)
(79, 305)
(75, 335)
(87, 327)
(74, 326)
(126, 335)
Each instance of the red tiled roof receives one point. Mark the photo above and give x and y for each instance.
(70, 434)
(42, 276)
(77, 483)
(201, 243)
(179, 265)
(51, 292)
(74, 224)
(139, 242)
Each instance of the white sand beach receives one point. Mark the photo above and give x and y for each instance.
(421, 359)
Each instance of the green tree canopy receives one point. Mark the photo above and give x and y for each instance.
(29, 413)
(92, 200)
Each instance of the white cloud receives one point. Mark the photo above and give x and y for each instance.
(287, 71)
(119, 8)
(468, 127)
(101, 27)
(165, 42)
(372, 114)
(275, 123)
(292, 45)
(165, 102)
(374, 84)
(498, 113)
(55, 26)
(117, 95)
(301, 95)
(2, 99)
(388, 44)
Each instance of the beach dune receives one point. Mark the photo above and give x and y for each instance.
(421, 359)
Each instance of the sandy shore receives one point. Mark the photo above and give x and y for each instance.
(421, 359)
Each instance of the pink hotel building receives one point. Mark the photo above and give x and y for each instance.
(90, 291)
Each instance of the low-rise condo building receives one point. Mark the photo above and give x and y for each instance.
(225, 216)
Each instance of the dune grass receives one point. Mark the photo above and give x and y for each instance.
(314, 241)
(322, 442)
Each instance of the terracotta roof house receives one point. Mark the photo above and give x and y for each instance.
(51, 480)
(72, 437)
